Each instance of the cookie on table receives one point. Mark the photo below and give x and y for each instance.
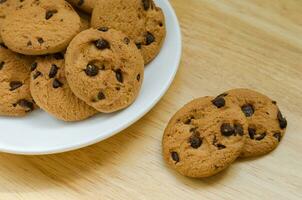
(266, 123)
(202, 138)
(141, 20)
(51, 92)
(104, 69)
(40, 27)
(85, 5)
(15, 97)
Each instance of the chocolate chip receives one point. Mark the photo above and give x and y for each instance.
(126, 40)
(146, 4)
(2, 45)
(195, 141)
(220, 146)
(175, 156)
(91, 70)
(40, 40)
(238, 129)
(226, 129)
(193, 129)
(101, 96)
(37, 74)
(149, 38)
(119, 75)
(1, 64)
(80, 2)
(277, 135)
(282, 120)
(29, 43)
(58, 56)
(274, 102)
(2, 1)
(138, 45)
(248, 110)
(252, 133)
(219, 102)
(15, 85)
(56, 83)
(26, 104)
(138, 77)
(189, 120)
(102, 44)
(103, 29)
(33, 66)
(261, 136)
(53, 71)
(50, 13)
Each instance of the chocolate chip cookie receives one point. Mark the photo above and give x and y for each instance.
(40, 27)
(15, 97)
(51, 91)
(104, 69)
(202, 139)
(141, 20)
(85, 5)
(266, 124)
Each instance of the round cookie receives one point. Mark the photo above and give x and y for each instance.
(104, 69)
(202, 139)
(40, 27)
(51, 92)
(15, 97)
(141, 20)
(266, 123)
(85, 5)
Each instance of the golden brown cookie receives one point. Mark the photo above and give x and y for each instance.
(8, 6)
(141, 20)
(85, 5)
(202, 139)
(15, 97)
(104, 69)
(266, 123)
(51, 92)
(40, 27)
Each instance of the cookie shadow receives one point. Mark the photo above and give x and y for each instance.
(198, 183)
(249, 159)
(37, 173)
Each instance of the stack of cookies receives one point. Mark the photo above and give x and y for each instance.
(52, 56)
(208, 134)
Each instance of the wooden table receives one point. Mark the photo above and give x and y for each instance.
(227, 44)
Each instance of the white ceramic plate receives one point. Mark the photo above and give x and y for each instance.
(39, 133)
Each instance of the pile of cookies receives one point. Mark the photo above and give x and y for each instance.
(74, 62)
(208, 134)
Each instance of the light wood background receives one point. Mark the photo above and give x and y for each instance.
(227, 44)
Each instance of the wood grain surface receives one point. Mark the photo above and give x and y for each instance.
(227, 44)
